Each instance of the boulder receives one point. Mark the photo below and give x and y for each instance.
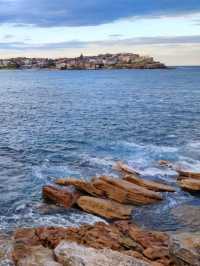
(152, 185)
(81, 185)
(104, 208)
(185, 249)
(38, 256)
(76, 255)
(126, 192)
(62, 197)
(190, 184)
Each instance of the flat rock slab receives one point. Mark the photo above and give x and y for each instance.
(105, 208)
(62, 197)
(122, 167)
(188, 174)
(75, 255)
(126, 192)
(190, 184)
(152, 185)
(81, 185)
(185, 249)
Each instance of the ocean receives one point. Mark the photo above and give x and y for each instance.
(79, 123)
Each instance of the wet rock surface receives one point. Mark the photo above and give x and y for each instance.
(188, 215)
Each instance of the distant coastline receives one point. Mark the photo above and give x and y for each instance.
(102, 61)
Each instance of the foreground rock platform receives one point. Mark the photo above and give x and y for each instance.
(150, 247)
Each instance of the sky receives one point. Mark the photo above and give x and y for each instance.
(168, 30)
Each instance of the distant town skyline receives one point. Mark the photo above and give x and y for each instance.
(165, 29)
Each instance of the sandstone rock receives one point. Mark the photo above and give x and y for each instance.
(136, 254)
(100, 235)
(81, 185)
(52, 236)
(149, 238)
(154, 253)
(23, 239)
(126, 192)
(121, 167)
(185, 249)
(165, 163)
(190, 184)
(5, 250)
(182, 173)
(38, 256)
(76, 255)
(63, 197)
(105, 208)
(188, 174)
(152, 185)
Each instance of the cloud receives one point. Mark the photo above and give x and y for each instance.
(77, 44)
(45, 13)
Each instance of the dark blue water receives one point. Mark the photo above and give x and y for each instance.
(78, 123)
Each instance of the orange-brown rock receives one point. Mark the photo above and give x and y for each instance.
(190, 184)
(182, 173)
(136, 254)
(154, 253)
(188, 174)
(105, 208)
(185, 248)
(165, 163)
(38, 256)
(62, 197)
(126, 192)
(120, 236)
(121, 167)
(81, 185)
(100, 235)
(152, 185)
(23, 240)
(149, 238)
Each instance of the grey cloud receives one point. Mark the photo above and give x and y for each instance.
(49, 13)
(77, 44)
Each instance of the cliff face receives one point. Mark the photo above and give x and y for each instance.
(104, 61)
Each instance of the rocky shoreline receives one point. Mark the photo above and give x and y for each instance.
(104, 61)
(118, 240)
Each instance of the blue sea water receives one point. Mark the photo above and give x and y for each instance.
(79, 123)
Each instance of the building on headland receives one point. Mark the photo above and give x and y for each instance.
(102, 61)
